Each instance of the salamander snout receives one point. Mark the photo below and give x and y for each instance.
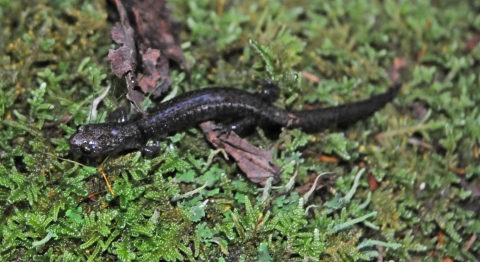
(85, 142)
(96, 140)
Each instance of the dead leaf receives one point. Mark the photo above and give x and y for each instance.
(123, 59)
(137, 98)
(156, 32)
(145, 25)
(256, 163)
(156, 79)
(394, 70)
(372, 182)
(473, 42)
(155, 27)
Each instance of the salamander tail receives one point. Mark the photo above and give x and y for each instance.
(317, 119)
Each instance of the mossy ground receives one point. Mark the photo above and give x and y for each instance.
(53, 63)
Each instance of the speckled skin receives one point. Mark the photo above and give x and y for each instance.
(191, 108)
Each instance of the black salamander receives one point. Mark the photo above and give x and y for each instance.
(191, 108)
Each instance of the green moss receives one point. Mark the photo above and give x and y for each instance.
(189, 203)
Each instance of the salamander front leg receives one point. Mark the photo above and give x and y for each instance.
(117, 115)
(150, 150)
(270, 91)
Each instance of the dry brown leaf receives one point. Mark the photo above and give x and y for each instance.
(147, 25)
(473, 42)
(156, 32)
(123, 59)
(156, 79)
(394, 71)
(256, 163)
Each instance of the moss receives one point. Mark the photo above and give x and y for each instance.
(188, 203)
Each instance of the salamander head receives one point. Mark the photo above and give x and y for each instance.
(95, 140)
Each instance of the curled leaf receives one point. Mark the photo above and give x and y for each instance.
(257, 163)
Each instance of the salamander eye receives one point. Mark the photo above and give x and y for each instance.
(86, 148)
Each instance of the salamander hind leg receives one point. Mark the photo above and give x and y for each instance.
(240, 127)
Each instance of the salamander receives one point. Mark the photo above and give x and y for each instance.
(191, 108)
